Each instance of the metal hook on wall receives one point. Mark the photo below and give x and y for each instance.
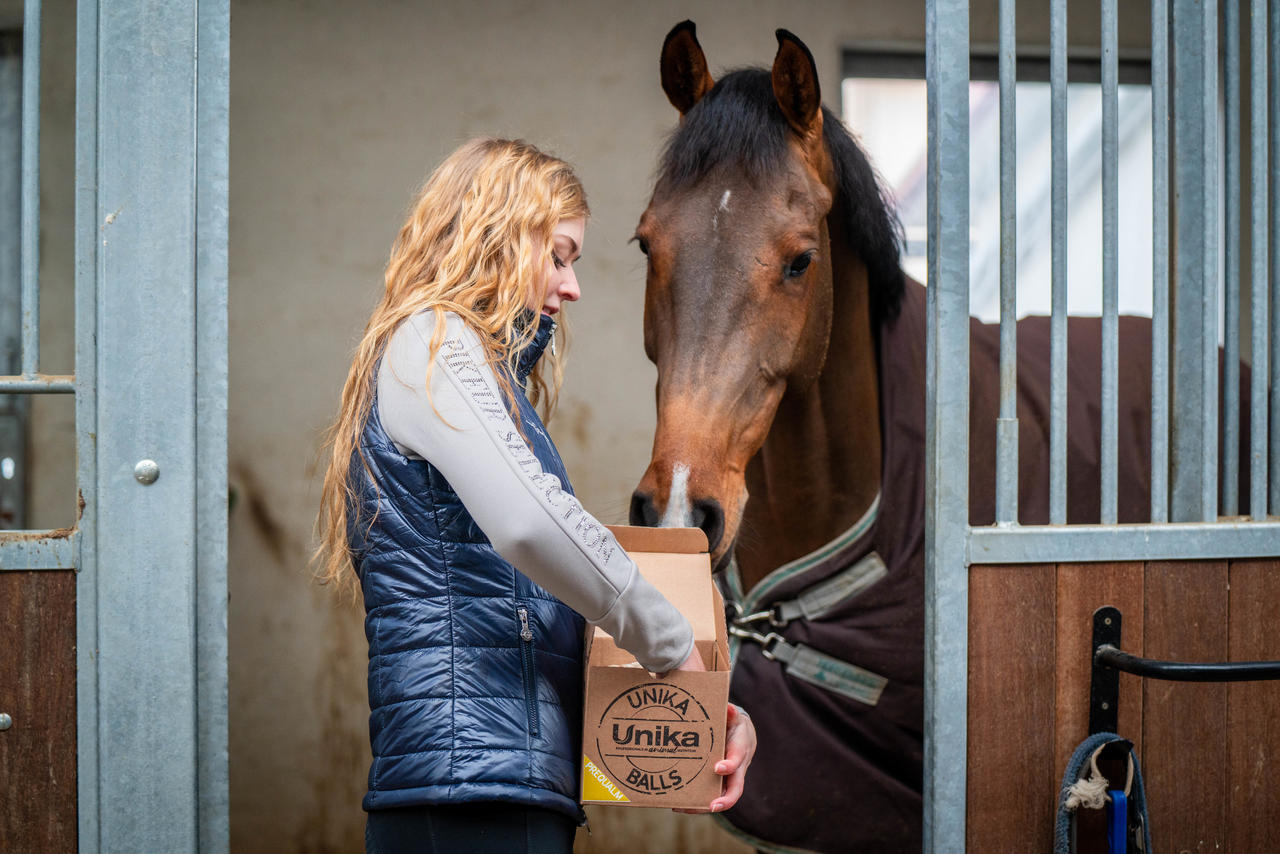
(1109, 660)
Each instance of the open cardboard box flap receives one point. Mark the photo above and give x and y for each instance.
(675, 561)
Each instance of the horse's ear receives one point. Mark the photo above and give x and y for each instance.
(795, 85)
(685, 77)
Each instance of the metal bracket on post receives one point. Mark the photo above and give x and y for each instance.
(1104, 686)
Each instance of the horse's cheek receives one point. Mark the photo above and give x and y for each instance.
(814, 339)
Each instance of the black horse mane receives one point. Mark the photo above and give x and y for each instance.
(739, 123)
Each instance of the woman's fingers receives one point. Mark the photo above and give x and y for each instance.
(740, 746)
(732, 791)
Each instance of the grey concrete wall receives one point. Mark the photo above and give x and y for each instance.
(338, 112)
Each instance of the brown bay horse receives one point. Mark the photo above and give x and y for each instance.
(790, 351)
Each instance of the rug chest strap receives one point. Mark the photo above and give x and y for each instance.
(814, 602)
(803, 661)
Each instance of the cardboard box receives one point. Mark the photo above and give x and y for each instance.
(650, 742)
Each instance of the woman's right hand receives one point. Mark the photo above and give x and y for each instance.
(694, 661)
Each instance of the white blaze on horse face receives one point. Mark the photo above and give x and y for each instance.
(724, 206)
(678, 513)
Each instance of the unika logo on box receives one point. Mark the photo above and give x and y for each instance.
(655, 738)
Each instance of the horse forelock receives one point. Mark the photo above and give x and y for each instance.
(738, 124)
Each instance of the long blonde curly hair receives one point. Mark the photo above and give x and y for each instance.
(476, 243)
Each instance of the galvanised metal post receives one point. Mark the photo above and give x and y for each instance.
(947, 428)
(151, 371)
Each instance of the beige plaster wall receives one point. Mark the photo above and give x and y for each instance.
(338, 111)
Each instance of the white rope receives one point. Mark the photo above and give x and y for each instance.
(1090, 792)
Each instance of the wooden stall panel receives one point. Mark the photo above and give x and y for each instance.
(1184, 724)
(38, 690)
(1082, 589)
(1253, 725)
(1011, 787)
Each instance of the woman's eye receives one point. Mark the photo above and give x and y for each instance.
(556, 260)
(798, 265)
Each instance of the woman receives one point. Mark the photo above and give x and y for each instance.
(476, 563)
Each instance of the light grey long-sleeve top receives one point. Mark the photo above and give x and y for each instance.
(528, 517)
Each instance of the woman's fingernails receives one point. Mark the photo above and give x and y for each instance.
(717, 807)
(720, 768)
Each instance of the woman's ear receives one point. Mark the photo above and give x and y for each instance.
(685, 77)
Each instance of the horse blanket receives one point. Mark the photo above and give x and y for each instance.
(836, 774)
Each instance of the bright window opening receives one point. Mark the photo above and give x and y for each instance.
(889, 117)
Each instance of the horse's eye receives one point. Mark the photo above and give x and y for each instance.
(644, 245)
(798, 265)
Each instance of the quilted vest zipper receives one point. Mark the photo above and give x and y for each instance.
(530, 675)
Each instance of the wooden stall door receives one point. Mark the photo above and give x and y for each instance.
(1210, 753)
(38, 692)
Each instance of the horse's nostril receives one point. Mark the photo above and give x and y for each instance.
(643, 512)
(708, 516)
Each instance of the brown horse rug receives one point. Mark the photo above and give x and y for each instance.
(829, 648)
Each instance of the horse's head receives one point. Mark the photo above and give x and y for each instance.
(739, 291)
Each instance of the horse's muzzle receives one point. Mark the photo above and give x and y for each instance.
(705, 513)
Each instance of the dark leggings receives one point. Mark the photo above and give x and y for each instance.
(477, 828)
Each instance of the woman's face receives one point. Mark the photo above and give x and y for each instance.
(561, 281)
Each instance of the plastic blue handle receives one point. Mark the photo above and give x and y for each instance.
(1117, 822)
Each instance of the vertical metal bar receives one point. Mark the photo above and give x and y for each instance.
(1058, 312)
(947, 428)
(1007, 425)
(1259, 173)
(1110, 265)
(1195, 405)
(1273, 489)
(86, 370)
(1160, 260)
(30, 187)
(10, 204)
(1231, 259)
(14, 408)
(1209, 405)
(212, 146)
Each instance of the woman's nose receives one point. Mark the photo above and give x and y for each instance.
(569, 289)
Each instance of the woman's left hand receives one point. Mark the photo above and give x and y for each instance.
(740, 747)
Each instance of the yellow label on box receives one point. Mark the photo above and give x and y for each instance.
(596, 785)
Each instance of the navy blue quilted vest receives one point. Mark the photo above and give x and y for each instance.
(475, 672)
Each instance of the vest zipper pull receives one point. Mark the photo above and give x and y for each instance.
(526, 634)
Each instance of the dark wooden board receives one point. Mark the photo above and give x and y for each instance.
(1082, 589)
(38, 689)
(1011, 705)
(1184, 756)
(1253, 725)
